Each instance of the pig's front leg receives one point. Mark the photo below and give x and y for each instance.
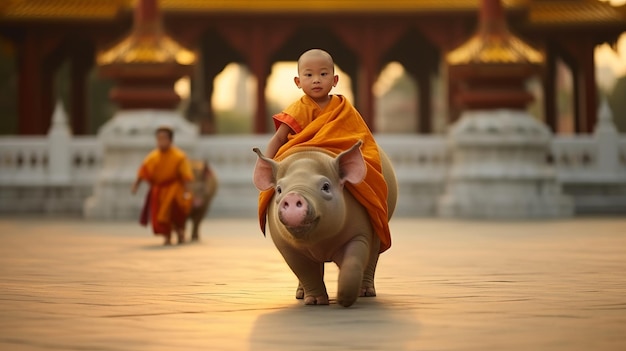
(308, 272)
(299, 291)
(351, 267)
(311, 280)
(300, 288)
(367, 286)
(195, 229)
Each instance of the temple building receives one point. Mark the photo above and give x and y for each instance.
(363, 37)
(475, 112)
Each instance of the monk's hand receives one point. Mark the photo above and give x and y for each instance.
(133, 189)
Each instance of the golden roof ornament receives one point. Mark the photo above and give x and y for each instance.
(147, 42)
(147, 63)
(490, 69)
(493, 42)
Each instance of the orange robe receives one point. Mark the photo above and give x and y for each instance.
(335, 129)
(166, 205)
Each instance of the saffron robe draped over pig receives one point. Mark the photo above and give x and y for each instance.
(166, 204)
(334, 129)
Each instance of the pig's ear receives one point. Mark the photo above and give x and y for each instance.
(206, 170)
(264, 171)
(351, 164)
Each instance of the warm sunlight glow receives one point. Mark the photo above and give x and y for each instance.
(615, 2)
(225, 82)
(182, 87)
(387, 78)
(281, 88)
(610, 63)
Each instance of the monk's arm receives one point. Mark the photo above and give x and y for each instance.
(186, 176)
(135, 186)
(279, 139)
(142, 174)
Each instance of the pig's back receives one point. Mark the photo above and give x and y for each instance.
(392, 183)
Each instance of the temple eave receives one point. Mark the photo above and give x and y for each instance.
(149, 50)
(553, 12)
(494, 51)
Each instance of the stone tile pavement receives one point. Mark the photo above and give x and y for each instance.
(444, 285)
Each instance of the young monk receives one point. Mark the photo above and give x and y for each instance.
(168, 201)
(330, 122)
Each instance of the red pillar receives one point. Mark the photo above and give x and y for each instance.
(201, 95)
(587, 93)
(577, 88)
(367, 74)
(81, 65)
(47, 97)
(29, 87)
(207, 122)
(581, 52)
(257, 43)
(549, 89)
(260, 115)
(369, 42)
(425, 101)
(39, 60)
(446, 36)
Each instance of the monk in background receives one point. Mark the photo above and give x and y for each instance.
(168, 201)
(329, 122)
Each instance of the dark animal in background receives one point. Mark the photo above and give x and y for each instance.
(203, 189)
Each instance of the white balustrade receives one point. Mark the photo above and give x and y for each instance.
(30, 182)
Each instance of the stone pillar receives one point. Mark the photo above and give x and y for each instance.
(499, 167)
(607, 138)
(145, 66)
(59, 156)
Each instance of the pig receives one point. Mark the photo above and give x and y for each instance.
(203, 189)
(314, 219)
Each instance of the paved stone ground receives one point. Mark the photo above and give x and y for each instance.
(444, 285)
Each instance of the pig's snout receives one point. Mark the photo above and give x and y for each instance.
(296, 214)
(293, 210)
(198, 202)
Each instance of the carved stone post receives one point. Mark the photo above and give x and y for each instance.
(499, 167)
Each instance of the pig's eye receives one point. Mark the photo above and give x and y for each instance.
(279, 189)
(326, 187)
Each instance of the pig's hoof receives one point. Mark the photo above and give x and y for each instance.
(346, 301)
(300, 293)
(368, 292)
(316, 300)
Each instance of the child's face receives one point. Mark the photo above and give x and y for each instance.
(316, 77)
(163, 141)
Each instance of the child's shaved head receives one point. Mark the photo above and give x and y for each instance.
(317, 54)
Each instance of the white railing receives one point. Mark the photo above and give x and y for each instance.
(421, 164)
(24, 161)
(599, 158)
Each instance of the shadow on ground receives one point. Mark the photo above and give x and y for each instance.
(371, 321)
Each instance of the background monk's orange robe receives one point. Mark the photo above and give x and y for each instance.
(335, 129)
(167, 173)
